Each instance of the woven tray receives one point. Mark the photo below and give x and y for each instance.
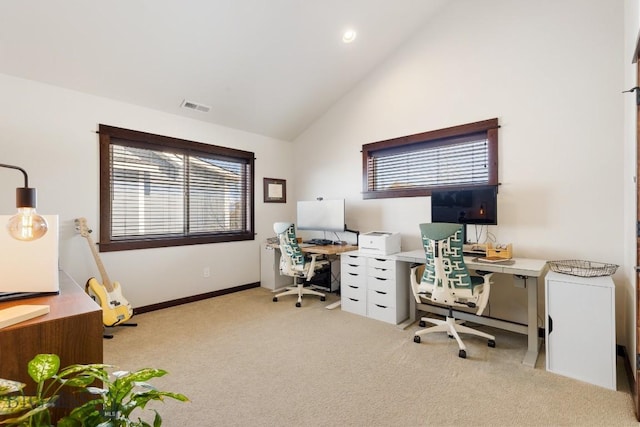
(581, 268)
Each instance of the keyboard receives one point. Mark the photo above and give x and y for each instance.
(319, 242)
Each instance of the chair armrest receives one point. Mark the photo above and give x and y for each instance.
(483, 298)
(314, 265)
(415, 272)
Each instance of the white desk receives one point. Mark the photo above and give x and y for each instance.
(530, 268)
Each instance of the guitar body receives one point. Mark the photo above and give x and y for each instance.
(115, 308)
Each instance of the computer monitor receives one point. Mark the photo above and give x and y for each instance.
(321, 215)
(473, 205)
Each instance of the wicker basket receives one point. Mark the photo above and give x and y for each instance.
(581, 268)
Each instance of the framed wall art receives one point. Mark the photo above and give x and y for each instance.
(275, 190)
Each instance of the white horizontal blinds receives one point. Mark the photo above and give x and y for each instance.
(217, 195)
(157, 193)
(147, 188)
(434, 165)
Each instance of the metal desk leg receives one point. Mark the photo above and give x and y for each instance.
(533, 342)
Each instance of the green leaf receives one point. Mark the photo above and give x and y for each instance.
(79, 381)
(43, 367)
(14, 404)
(96, 369)
(157, 420)
(8, 386)
(69, 422)
(32, 414)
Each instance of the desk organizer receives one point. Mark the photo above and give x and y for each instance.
(500, 251)
(582, 268)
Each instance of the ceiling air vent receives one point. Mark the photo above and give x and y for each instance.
(195, 106)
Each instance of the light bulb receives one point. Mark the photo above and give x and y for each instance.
(27, 225)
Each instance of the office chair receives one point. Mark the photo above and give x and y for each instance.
(295, 264)
(447, 281)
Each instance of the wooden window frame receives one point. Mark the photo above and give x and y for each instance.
(110, 134)
(433, 138)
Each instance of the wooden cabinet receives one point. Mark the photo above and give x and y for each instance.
(72, 329)
(375, 286)
(580, 332)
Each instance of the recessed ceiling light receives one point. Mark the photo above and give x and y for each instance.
(349, 36)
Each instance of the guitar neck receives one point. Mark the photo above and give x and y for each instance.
(106, 282)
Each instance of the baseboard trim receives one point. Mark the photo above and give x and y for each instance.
(193, 298)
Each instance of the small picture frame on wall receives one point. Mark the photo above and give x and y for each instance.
(275, 190)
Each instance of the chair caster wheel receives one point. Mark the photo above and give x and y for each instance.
(275, 299)
(416, 339)
(298, 304)
(323, 299)
(422, 324)
(492, 343)
(462, 354)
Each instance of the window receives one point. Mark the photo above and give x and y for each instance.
(414, 165)
(160, 191)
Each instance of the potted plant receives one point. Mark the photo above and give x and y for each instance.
(122, 393)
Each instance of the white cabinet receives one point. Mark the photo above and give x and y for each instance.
(375, 287)
(580, 328)
(270, 276)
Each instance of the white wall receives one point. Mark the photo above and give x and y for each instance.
(50, 132)
(552, 72)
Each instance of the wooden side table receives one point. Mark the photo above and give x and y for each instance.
(72, 329)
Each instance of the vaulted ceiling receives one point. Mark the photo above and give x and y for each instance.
(269, 67)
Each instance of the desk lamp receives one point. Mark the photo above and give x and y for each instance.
(26, 225)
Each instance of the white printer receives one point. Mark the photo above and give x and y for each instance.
(379, 242)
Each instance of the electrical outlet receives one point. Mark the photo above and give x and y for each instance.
(206, 272)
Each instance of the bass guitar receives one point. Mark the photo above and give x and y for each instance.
(115, 308)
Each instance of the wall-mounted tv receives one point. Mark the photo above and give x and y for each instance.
(473, 205)
(321, 215)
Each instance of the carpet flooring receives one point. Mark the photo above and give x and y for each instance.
(244, 360)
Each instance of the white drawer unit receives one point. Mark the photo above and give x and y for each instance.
(353, 284)
(580, 332)
(375, 287)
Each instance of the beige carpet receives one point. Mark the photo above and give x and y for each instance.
(244, 360)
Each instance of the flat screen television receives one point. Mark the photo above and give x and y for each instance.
(321, 215)
(474, 205)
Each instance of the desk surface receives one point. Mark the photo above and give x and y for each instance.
(521, 266)
(329, 249)
(321, 249)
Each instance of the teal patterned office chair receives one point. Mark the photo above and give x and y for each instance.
(447, 281)
(295, 264)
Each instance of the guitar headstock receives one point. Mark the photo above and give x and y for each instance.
(81, 227)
